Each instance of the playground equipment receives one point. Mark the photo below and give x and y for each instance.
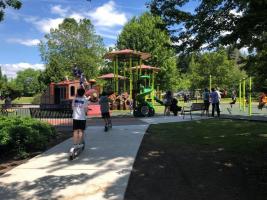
(140, 85)
(243, 98)
(145, 97)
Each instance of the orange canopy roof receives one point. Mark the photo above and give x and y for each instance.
(111, 76)
(146, 67)
(126, 53)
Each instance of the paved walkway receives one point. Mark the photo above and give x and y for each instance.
(101, 171)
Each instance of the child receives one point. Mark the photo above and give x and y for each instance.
(80, 108)
(233, 98)
(104, 107)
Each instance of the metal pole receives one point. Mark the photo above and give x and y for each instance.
(131, 79)
(117, 73)
(244, 94)
(250, 106)
(240, 95)
(114, 72)
(210, 83)
(152, 87)
(124, 81)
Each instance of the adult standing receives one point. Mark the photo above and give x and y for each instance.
(167, 102)
(215, 101)
(206, 100)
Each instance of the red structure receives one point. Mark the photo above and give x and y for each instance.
(59, 93)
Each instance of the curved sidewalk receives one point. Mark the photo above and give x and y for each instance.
(101, 171)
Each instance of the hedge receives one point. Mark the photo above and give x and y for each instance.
(22, 135)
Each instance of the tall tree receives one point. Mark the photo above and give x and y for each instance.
(16, 4)
(73, 42)
(214, 22)
(27, 81)
(225, 73)
(143, 34)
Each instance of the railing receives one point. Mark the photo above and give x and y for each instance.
(58, 115)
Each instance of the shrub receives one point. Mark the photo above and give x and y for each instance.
(36, 99)
(23, 135)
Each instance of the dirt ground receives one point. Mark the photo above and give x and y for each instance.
(8, 163)
(193, 172)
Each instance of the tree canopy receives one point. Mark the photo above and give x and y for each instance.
(16, 4)
(143, 34)
(225, 73)
(214, 22)
(27, 81)
(71, 43)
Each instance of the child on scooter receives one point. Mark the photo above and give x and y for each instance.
(80, 109)
(104, 107)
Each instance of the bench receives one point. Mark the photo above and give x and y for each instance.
(193, 107)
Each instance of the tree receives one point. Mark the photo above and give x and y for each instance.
(238, 23)
(225, 73)
(16, 4)
(27, 81)
(73, 42)
(143, 34)
(257, 65)
(215, 22)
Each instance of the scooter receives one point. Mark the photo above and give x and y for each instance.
(76, 150)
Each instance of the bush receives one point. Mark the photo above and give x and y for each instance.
(24, 135)
(36, 99)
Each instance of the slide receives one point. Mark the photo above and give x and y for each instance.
(141, 97)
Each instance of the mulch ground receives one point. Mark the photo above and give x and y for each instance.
(10, 161)
(193, 172)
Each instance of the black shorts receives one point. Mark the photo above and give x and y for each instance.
(105, 115)
(79, 124)
(206, 105)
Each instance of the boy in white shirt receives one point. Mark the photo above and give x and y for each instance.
(80, 109)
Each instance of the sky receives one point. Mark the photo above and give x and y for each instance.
(22, 30)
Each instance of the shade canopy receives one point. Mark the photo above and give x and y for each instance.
(111, 76)
(146, 67)
(125, 54)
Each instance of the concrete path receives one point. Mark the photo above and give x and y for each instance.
(101, 171)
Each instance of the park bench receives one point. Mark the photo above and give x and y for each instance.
(193, 107)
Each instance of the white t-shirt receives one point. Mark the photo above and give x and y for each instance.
(79, 106)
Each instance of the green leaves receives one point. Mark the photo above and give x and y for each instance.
(23, 135)
(144, 34)
(11, 3)
(225, 73)
(73, 42)
(214, 22)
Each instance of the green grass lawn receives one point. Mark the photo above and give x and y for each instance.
(234, 136)
(207, 159)
(21, 100)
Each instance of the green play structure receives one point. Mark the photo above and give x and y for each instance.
(141, 79)
(145, 97)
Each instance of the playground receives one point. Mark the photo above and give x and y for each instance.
(145, 157)
(133, 100)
